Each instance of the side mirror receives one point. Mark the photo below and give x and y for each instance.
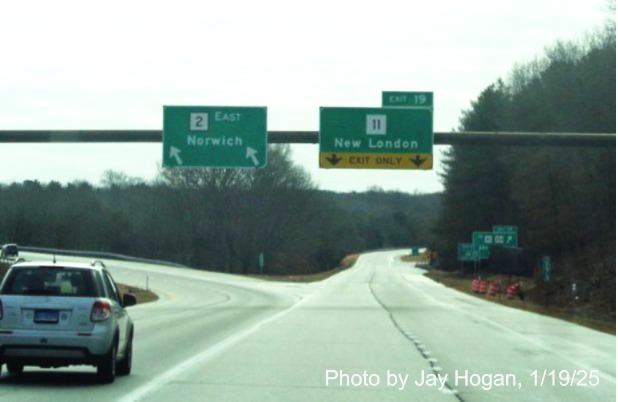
(128, 300)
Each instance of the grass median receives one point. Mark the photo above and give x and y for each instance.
(346, 262)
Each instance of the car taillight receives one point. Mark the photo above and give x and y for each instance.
(101, 311)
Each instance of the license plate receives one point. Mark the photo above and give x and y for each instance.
(46, 316)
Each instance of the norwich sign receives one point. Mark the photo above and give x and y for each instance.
(213, 136)
(376, 138)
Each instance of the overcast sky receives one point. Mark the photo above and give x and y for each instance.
(114, 64)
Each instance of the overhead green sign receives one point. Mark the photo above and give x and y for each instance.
(376, 138)
(214, 136)
(407, 99)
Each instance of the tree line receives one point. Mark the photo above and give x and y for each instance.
(562, 199)
(216, 219)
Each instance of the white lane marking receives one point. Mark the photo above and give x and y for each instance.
(159, 381)
(512, 331)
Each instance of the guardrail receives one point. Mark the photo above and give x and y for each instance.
(98, 254)
(7, 260)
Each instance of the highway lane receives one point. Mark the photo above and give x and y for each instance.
(196, 311)
(225, 338)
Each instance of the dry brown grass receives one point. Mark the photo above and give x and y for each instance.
(346, 262)
(142, 295)
(463, 284)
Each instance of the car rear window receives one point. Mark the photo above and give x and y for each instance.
(46, 281)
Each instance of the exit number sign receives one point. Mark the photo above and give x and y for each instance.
(407, 99)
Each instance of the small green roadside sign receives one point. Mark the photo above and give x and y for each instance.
(504, 229)
(483, 251)
(407, 99)
(495, 239)
(485, 238)
(468, 252)
(214, 136)
(546, 267)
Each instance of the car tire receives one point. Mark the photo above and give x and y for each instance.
(123, 367)
(106, 369)
(15, 368)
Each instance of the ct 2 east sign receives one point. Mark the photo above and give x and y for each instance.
(212, 136)
(376, 138)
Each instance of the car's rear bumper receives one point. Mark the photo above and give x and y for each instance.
(45, 356)
(54, 348)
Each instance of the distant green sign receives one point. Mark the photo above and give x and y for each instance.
(495, 239)
(407, 99)
(485, 238)
(214, 136)
(505, 239)
(505, 229)
(468, 252)
(483, 251)
(546, 267)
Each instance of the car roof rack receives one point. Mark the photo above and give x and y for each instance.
(99, 262)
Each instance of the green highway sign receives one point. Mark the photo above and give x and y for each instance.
(214, 136)
(495, 239)
(505, 229)
(407, 99)
(483, 251)
(376, 138)
(468, 252)
(485, 238)
(505, 239)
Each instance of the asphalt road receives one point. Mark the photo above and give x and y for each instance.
(354, 337)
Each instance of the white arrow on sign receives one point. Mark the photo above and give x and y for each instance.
(175, 153)
(251, 153)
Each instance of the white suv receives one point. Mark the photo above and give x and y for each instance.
(55, 315)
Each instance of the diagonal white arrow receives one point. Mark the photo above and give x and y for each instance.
(251, 153)
(175, 153)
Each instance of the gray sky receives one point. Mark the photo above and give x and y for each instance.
(114, 64)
